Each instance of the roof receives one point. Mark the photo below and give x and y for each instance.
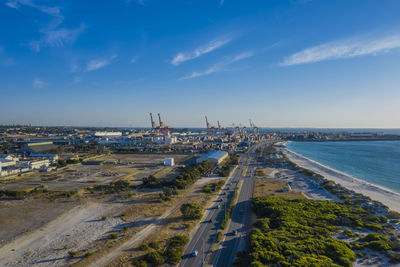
(217, 154)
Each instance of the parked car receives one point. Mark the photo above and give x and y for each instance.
(194, 253)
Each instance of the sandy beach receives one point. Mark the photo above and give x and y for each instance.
(375, 192)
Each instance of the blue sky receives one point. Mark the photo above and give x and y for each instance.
(296, 63)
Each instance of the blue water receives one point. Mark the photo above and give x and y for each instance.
(377, 162)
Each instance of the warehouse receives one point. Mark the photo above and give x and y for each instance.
(214, 156)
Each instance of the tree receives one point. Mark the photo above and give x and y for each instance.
(154, 257)
(191, 210)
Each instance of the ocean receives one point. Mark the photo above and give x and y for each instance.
(377, 162)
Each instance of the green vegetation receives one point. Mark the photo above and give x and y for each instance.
(175, 248)
(228, 166)
(140, 263)
(113, 236)
(154, 245)
(151, 182)
(167, 193)
(23, 193)
(113, 187)
(72, 254)
(213, 187)
(154, 258)
(144, 246)
(191, 210)
(219, 236)
(300, 232)
(88, 254)
(191, 173)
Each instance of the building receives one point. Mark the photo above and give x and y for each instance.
(7, 160)
(40, 164)
(52, 157)
(216, 156)
(107, 134)
(169, 162)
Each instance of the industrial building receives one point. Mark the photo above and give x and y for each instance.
(216, 156)
(107, 134)
(169, 162)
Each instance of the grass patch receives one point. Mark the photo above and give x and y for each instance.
(271, 187)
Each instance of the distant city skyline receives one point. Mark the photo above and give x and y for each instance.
(290, 63)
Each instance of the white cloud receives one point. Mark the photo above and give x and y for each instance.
(344, 49)
(77, 79)
(97, 64)
(53, 35)
(220, 66)
(221, 2)
(57, 37)
(38, 83)
(209, 47)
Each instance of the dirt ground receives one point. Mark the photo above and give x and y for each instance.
(131, 167)
(272, 187)
(21, 216)
(40, 230)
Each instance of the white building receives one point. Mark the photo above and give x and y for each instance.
(107, 134)
(169, 162)
(33, 165)
(216, 156)
(7, 160)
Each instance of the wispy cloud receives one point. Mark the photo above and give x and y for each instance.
(53, 35)
(220, 66)
(198, 52)
(57, 37)
(221, 2)
(96, 64)
(38, 83)
(344, 49)
(77, 79)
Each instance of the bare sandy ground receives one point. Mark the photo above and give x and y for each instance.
(74, 230)
(381, 194)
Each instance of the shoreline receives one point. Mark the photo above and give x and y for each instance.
(376, 192)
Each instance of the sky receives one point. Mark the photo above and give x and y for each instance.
(280, 63)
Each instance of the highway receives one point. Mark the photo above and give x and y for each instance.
(206, 234)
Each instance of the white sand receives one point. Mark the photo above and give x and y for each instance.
(375, 192)
(76, 229)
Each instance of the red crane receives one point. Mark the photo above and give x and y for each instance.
(159, 119)
(153, 124)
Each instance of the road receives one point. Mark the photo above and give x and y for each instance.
(206, 234)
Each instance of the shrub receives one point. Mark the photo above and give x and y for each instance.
(103, 218)
(191, 210)
(299, 232)
(144, 247)
(219, 236)
(113, 236)
(175, 248)
(154, 257)
(72, 254)
(154, 245)
(140, 263)
(88, 254)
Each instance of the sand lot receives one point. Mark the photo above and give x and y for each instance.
(73, 230)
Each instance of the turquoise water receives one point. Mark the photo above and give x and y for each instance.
(377, 162)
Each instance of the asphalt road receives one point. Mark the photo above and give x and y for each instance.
(206, 234)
